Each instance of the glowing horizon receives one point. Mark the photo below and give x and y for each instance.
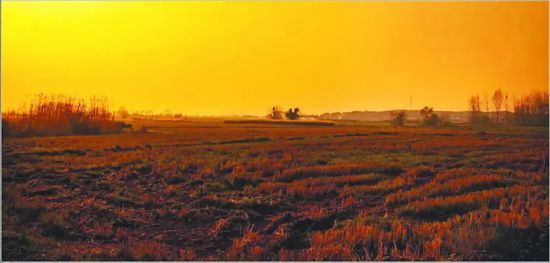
(240, 58)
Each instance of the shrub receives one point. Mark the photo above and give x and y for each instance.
(398, 118)
(293, 114)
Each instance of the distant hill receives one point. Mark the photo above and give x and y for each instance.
(453, 116)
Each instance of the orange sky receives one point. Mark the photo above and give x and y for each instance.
(240, 58)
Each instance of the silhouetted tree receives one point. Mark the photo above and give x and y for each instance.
(475, 108)
(532, 109)
(426, 112)
(506, 109)
(293, 114)
(398, 118)
(276, 113)
(429, 118)
(498, 97)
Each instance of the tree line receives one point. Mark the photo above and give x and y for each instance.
(528, 110)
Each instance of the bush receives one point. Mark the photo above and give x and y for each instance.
(432, 120)
(398, 118)
(293, 114)
(122, 113)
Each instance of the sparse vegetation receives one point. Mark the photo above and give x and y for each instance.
(60, 115)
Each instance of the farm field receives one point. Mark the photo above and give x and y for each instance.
(209, 190)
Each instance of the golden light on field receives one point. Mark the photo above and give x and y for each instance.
(243, 57)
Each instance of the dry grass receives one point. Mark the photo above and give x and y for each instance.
(213, 191)
(60, 115)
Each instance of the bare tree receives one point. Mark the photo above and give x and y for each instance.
(475, 108)
(486, 102)
(498, 97)
(532, 109)
(506, 108)
(276, 113)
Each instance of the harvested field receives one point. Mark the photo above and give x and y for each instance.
(224, 191)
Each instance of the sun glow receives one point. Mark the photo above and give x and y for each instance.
(243, 57)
